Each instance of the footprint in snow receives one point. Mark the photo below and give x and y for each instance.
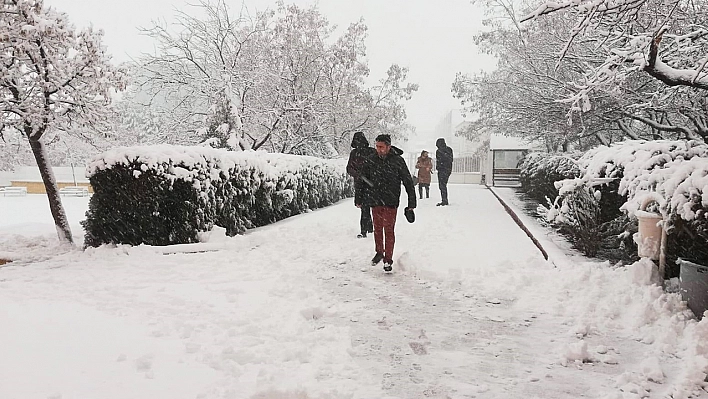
(418, 348)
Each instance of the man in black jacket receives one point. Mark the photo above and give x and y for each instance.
(359, 154)
(382, 176)
(443, 164)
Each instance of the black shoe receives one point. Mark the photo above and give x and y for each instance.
(376, 259)
(362, 235)
(388, 265)
(441, 204)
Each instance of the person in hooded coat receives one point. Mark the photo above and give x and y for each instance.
(443, 164)
(425, 168)
(361, 151)
(382, 176)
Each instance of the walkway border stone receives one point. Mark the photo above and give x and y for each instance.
(520, 223)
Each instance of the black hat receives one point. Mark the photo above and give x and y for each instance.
(359, 140)
(410, 215)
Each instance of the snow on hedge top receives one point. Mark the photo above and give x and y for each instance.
(673, 172)
(561, 164)
(634, 157)
(684, 184)
(183, 162)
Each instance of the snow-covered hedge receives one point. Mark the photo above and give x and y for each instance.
(590, 214)
(162, 195)
(540, 171)
(636, 172)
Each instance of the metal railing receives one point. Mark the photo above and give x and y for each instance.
(460, 164)
(467, 164)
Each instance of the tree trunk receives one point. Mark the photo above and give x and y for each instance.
(50, 185)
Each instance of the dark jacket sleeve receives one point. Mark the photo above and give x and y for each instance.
(363, 186)
(407, 180)
(351, 166)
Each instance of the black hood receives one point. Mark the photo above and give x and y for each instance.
(440, 143)
(395, 150)
(359, 140)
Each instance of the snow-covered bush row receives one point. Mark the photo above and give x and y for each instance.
(590, 215)
(165, 194)
(540, 171)
(645, 166)
(620, 179)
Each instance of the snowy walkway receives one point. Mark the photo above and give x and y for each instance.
(294, 311)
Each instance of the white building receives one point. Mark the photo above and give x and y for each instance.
(29, 177)
(505, 152)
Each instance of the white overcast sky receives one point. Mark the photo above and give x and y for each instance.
(432, 38)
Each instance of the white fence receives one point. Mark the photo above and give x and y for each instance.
(466, 168)
(467, 164)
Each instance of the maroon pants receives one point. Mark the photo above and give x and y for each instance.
(384, 223)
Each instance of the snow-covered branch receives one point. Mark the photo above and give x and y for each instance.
(687, 133)
(675, 76)
(667, 41)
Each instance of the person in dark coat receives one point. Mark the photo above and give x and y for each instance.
(382, 176)
(361, 151)
(443, 163)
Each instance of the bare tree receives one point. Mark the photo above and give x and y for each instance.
(200, 75)
(596, 64)
(51, 78)
(276, 80)
(522, 97)
(666, 40)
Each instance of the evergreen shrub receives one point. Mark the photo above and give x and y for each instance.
(540, 171)
(163, 195)
(614, 183)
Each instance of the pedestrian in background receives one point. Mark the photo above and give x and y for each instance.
(361, 151)
(443, 163)
(425, 169)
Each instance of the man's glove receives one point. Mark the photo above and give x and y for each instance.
(409, 214)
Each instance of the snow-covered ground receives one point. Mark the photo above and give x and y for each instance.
(293, 311)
